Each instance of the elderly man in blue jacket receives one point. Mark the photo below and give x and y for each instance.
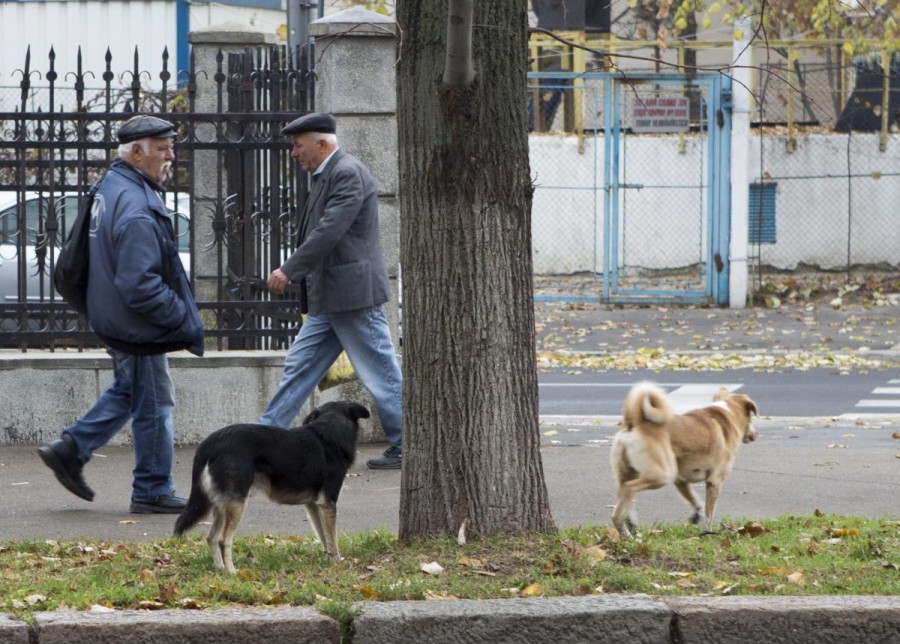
(343, 280)
(141, 306)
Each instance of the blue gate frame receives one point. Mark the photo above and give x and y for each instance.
(710, 287)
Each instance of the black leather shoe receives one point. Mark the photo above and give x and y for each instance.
(168, 504)
(61, 456)
(392, 459)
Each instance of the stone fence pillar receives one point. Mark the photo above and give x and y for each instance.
(355, 55)
(228, 38)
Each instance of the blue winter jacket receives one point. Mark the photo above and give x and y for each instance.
(139, 298)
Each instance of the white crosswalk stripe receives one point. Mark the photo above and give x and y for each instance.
(688, 397)
(890, 400)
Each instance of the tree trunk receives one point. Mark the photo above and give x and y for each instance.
(471, 447)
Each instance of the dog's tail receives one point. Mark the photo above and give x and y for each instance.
(198, 503)
(646, 401)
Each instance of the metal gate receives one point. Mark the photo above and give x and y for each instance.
(660, 184)
(234, 196)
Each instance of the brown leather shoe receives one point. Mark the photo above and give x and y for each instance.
(61, 456)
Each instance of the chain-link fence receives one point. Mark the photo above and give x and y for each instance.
(824, 167)
(825, 202)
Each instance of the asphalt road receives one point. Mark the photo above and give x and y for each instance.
(812, 393)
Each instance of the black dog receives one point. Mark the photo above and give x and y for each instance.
(305, 466)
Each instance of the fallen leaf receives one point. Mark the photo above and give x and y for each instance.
(431, 595)
(369, 592)
(843, 532)
(594, 553)
(726, 590)
(191, 603)
(167, 592)
(31, 600)
(532, 590)
(150, 605)
(128, 522)
(469, 562)
(796, 578)
(277, 598)
(753, 529)
(433, 568)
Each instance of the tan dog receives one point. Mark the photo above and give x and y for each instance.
(655, 447)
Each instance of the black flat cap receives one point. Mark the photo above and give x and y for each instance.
(315, 122)
(142, 126)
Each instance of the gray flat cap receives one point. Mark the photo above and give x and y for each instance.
(143, 126)
(315, 122)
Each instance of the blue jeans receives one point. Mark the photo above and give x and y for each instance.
(366, 337)
(143, 392)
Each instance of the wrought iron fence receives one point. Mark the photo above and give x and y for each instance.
(234, 192)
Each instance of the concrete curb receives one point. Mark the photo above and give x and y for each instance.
(233, 625)
(597, 619)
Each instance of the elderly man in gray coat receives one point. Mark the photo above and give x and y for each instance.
(343, 280)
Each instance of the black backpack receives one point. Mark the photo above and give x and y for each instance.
(70, 275)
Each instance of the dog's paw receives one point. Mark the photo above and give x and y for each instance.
(696, 517)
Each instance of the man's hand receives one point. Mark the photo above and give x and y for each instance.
(277, 281)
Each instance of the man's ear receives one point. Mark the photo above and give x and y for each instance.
(135, 151)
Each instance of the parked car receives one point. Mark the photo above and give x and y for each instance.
(36, 208)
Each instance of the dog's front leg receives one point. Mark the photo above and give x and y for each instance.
(233, 514)
(315, 518)
(622, 516)
(712, 495)
(214, 538)
(328, 517)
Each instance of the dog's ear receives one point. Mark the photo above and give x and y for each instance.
(722, 394)
(312, 416)
(745, 401)
(355, 412)
(750, 406)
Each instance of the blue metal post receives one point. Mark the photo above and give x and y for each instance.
(182, 51)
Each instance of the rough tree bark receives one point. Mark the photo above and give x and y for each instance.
(471, 443)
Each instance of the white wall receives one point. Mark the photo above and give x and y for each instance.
(815, 203)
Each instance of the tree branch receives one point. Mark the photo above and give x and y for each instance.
(459, 70)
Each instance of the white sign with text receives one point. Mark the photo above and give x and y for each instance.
(660, 114)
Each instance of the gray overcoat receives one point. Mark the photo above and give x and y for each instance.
(339, 263)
